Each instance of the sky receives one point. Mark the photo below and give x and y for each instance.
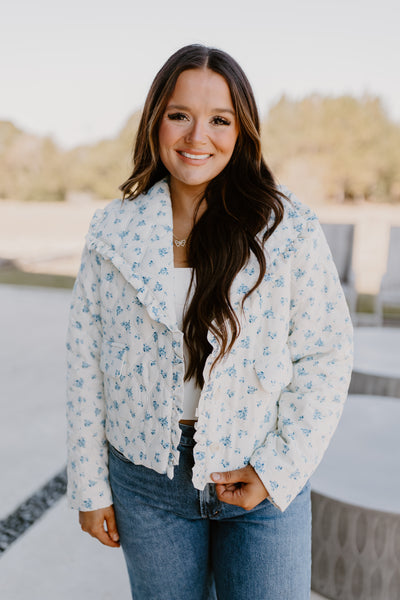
(76, 70)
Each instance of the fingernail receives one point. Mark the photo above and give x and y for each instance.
(115, 537)
(216, 476)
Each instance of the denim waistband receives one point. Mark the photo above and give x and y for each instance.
(187, 434)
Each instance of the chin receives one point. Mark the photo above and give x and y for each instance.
(194, 181)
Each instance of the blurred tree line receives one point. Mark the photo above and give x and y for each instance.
(34, 168)
(341, 149)
(329, 148)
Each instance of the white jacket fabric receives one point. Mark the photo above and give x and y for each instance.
(273, 402)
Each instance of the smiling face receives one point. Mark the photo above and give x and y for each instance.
(198, 130)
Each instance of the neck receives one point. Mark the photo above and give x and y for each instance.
(184, 199)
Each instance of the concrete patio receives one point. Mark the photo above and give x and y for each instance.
(52, 559)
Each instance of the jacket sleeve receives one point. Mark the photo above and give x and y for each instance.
(88, 485)
(320, 342)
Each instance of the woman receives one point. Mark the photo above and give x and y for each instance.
(193, 431)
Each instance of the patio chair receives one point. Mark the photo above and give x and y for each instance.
(389, 292)
(340, 238)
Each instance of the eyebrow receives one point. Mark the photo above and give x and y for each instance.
(214, 110)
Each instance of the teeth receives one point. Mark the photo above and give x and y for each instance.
(195, 156)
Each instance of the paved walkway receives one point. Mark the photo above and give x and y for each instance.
(361, 462)
(32, 390)
(53, 558)
(377, 351)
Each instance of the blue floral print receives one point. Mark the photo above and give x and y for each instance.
(273, 402)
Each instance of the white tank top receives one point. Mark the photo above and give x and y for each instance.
(191, 390)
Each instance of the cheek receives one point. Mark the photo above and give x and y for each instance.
(227, 143)
(162, 136)
(167, 135)
(165, 141)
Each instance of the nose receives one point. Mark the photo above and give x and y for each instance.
(196, 132)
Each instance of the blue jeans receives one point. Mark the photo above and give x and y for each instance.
(180, 543)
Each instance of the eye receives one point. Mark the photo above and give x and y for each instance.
(220, 121)
(176, 116)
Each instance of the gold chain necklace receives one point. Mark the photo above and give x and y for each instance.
(179, 243)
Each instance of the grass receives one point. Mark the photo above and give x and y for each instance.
(365, 302)
(18, 277)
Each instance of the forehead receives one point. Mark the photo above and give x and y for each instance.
(202, 86)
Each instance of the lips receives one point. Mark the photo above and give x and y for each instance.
(194, 156)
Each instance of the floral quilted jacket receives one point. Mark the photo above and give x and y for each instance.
(273, 402)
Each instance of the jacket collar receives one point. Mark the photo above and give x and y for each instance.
(136, 237)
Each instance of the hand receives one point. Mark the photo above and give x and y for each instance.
(242, 487)
(92, 521)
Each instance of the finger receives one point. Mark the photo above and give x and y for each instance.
(112, 526)
(95, 528)
(230, 496)
(228, 489)
(231, 487)
(102, 535)
(235, 476)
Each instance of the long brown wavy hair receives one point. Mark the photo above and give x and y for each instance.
(240, 201)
